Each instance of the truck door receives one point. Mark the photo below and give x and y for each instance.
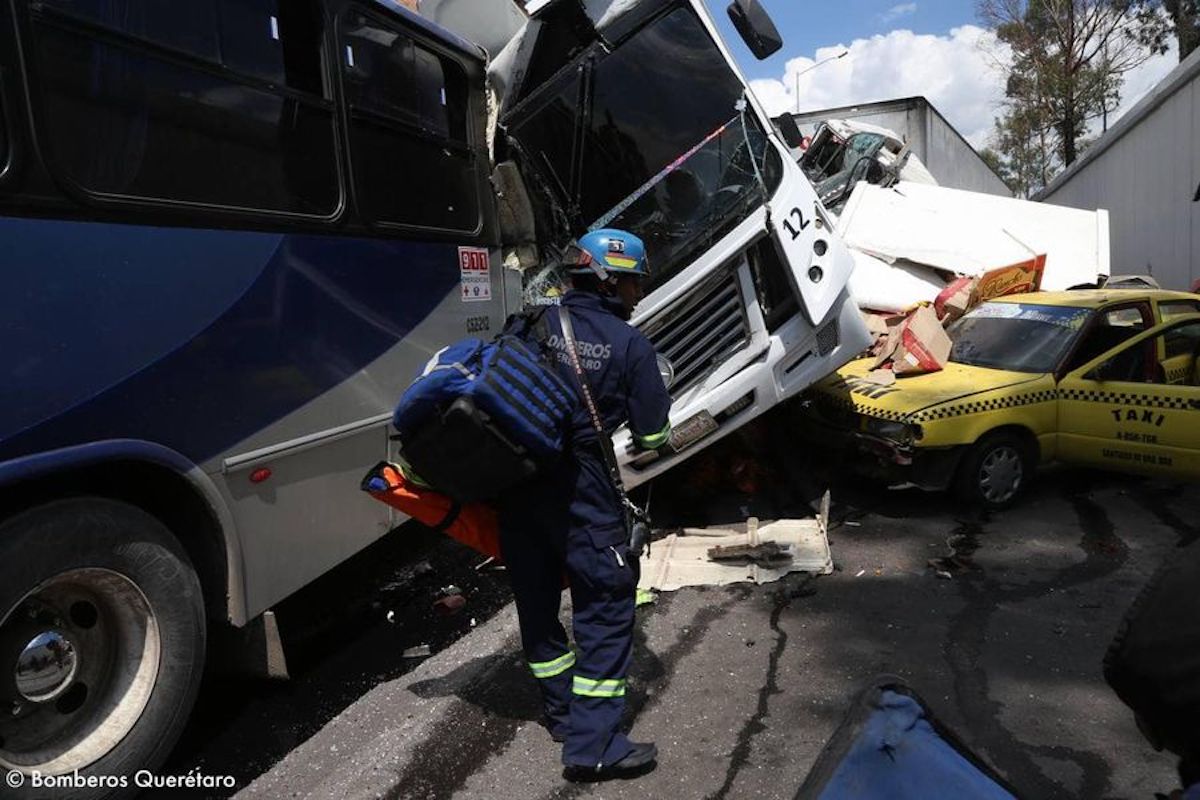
(1136, 408)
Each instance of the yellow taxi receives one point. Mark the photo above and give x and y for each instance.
(1103, 378)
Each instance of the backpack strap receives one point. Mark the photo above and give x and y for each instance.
(604, 440)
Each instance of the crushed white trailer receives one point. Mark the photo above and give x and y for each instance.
(914, 236)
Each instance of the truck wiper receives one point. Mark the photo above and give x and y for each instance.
(583, 124)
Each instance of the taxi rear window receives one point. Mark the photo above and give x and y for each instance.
(1178, 308)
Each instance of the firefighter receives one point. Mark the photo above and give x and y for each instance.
(571, 521)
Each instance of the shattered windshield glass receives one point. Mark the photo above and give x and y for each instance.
(849, 168)
(652, 138)
(1018, 337)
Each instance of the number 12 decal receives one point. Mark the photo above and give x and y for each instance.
(803, 223)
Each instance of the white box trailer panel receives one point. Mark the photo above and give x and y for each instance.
(968, 233)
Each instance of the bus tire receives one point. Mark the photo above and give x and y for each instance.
(102, 640)
(995, 471)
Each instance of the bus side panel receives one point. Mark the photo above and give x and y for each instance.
(217, 344)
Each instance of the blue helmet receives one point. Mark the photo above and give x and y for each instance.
(606, 252)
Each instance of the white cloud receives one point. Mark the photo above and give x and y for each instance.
(896, 12)
(957, 72)
(961, 73)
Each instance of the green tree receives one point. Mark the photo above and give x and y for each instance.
(1185, 21)
(998, 165)
(1067, 62)
(1022, 141)
(1176, 18)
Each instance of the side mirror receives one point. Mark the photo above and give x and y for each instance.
(755, 27)
(792, 135)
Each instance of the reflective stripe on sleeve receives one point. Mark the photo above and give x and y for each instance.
(654, 440)
(549, 669)
(586, 687)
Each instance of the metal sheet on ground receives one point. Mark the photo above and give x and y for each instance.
(683, 559)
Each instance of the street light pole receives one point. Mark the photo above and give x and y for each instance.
(842, 54)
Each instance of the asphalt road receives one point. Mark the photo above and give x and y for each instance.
(741, 687)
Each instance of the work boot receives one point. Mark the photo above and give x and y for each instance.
(639, 761)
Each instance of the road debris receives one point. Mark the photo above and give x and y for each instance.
(682, 559)
(419, 651)
(450, 604)
(764, 553)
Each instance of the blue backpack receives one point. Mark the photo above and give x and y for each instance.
(483, 416)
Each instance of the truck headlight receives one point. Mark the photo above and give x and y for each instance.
(666, 369)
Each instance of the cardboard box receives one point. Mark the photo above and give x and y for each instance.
(879, 326)
(1023, 277)
(918, 345)
(956, 299)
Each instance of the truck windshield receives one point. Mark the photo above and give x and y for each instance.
(650, 138)
(1018, 337)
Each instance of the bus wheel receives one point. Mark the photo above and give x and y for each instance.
(101, 640)
(995, 470)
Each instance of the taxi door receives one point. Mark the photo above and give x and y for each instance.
(1136, 408)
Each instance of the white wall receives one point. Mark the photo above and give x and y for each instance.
(1147, 178)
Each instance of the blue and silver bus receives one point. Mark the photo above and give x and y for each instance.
(232, 230)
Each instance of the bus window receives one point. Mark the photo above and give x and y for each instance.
(121, 121)
(266, 39)
(408, 129)
(276, 40)
(3, 139)
(189, 27)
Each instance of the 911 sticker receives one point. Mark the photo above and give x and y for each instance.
(475, 270)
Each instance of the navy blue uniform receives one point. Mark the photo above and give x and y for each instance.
(570, 521)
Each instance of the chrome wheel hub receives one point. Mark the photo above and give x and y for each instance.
(1000, 474)
(46, 667)
(79, 659)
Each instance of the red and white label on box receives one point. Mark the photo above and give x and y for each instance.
(475, 267)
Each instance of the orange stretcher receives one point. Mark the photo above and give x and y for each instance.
(473, 524)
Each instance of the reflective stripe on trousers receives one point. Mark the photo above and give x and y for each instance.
(557, 666)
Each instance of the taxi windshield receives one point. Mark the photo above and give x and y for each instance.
(1018, 337)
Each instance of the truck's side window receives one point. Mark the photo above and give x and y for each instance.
(409, 136)
(218, 102)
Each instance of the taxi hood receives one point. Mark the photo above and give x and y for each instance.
(912, 393)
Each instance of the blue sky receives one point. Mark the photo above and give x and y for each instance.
(897, 48)
(807, 25)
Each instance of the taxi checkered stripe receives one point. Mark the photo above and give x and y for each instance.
(979, 406)
(843, 404)
(1124, 398)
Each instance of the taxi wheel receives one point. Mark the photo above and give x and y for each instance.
(995, 471)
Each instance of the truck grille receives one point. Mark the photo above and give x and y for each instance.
(701, 329)
(827, 338)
